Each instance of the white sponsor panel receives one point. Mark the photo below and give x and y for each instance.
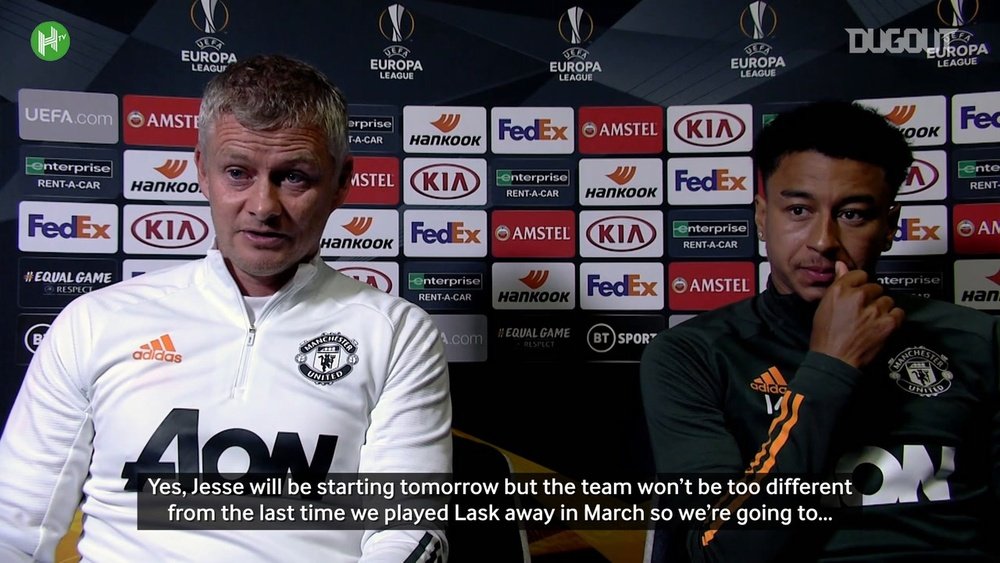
(674, 320)
(975, 118)
(923, 229)
(920, 118)
(444, 181)
(162, 229)
(621, 234)
(622, 286)
(161, 175)
(380, 275)
(621, 181)
(434, 233)
(710, 181)
(927, 179)
(136, 267)
(464, 337)
(444, 129)
(76, 228)
(714, 128)
(977, 284)
(361, 232)
(534, 285)
(532, 130)
(763, 272)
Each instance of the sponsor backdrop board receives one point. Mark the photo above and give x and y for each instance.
(554, 182)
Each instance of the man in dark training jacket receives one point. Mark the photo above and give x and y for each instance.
(828, 373)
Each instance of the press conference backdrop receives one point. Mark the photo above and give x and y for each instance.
(554, 182)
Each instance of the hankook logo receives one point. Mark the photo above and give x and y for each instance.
(358, 225)
(169, 229)
(447, 122)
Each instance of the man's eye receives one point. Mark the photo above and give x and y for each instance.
(295, 177)
(236, 173)
(797, 210)
(853, 215)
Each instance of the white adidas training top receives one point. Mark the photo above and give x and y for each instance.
(167, 366)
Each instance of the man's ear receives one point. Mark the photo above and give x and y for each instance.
(343, 181)
(760, 214)
(200, 166)
(891, 224)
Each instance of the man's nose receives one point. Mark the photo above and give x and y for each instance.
(824, 235)
(264, 202)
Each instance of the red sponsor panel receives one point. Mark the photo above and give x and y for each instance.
(375, 181)
(976, 228)
(160, 121)
(702, 286)
(618, 130)
(533, 234)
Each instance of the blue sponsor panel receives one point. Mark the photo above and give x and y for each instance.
(69, 172)
(618, 338)
(53, 283)
(446, 286)
(518, 338)
(924, 278)
(975, 174)
(375, 128)
(532, 182)
(710, 233)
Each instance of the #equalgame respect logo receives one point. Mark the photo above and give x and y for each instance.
(758, 21)
(977, 228)
(534, 234)
(455, 181)
(161, 121)
(921, 119)
(718, 128)
(431, 233)
(532, 130)
(375, 181)
(977, 284)
(396, 24)
(702, 286)
(615, 130)
(210, 17)
(621, 286)
(50, 41)
(47, 282)
(361, 232)
(926, 179)
(621, 181)
(533, 285)
(921, 230)
(161, 176)
(73, 117)
(157, 229)
(975, 118)
(622, 234)
(576, 27)
(444, 129)
(710, 181)
(59, 227)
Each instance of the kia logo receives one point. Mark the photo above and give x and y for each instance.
(444, 181)
(922, 175)
(709, 128)
(170, 229)
(621, 233)
(370, 276)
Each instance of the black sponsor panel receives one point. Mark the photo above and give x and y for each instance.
(924, 278)
(975, 174)
(53, 283)
(446, 286)
(618, 338)
(375, 128)
(532, 182)
(533, 337)
(30, 330)
(61, 172)
(710, 233)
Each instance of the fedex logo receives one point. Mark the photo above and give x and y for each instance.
(710, 128)
(628, 286)
(439, 233)
(710, 181)
(532, 130)
(976, 118)
(920, 231)
(67, 227)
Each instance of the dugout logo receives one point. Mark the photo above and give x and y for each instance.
(758, 21)
(161, 176)
(977, 284)
(921, 119)
(621, 181)
(444, 129)
(361, 232)
(975, 118)
(210, 17)
(719, 128)
(457, 181)
(163, 230)
(977, 228)
(533, 285)
(161, 121)
(397, 25)
(702, 286)
(921, 371)
(631, 234)
(576, 27)
(613, 130)
(327, 358)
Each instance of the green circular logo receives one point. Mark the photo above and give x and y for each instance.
(50, 41)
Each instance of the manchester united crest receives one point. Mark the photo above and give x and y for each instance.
(921, 371)
(327, 358)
